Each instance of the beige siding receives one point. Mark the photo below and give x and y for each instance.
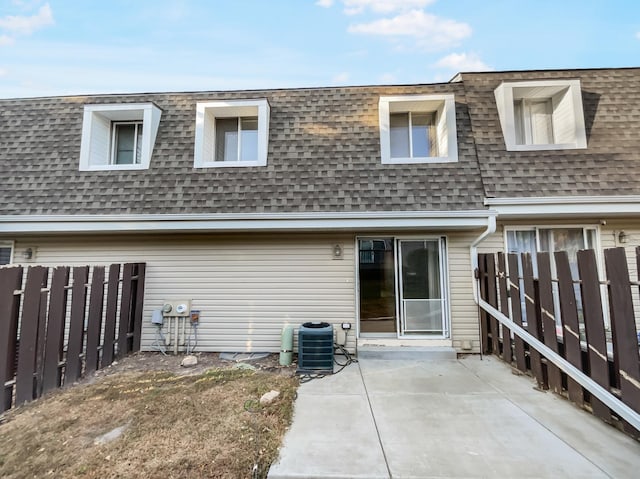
(246, 287)
(464, 311)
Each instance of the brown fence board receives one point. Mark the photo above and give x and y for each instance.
(139, 305)
(110, 316)
(484, 329)
(516, 309)
(125, 309)
(36, 280)
(623, 328)
(10, 281)
(507, 354)
(570, 324)
(492, 299)
(594, 328)
(533, 322)
(94, 321)
(73, 367)
(54, 344)
(547, 314)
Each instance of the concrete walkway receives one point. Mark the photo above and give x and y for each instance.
(466, 418)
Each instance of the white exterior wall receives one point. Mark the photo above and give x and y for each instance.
(246, 286)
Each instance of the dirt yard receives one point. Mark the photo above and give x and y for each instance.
(147, 417)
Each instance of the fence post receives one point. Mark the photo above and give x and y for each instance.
(10, 281)
(73, 369)
(516, 308)
(533, 324)
(138, 306)
(594, 328)
(570, 324)
(507, 354)
(53, 351)
(482, 279)
(547, 314)
(125, 309)
(110, 317)
(623, 327)
(94, 322)
(492, 299)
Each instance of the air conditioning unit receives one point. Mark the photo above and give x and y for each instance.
(315, 348)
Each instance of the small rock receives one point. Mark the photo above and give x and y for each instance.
(268, 398)
(244, 366)
(110, 436)
(189, 361)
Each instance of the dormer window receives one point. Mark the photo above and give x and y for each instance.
(118, 137)
(231, 133)
(418, 129)
(541, 115)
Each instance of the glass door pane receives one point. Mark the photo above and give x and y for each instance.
(376, 274)
(422, 301)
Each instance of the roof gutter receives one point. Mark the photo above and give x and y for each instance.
(470, 219)
(565, 206)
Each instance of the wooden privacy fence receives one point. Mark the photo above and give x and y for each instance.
(55, 327)
(594, 365)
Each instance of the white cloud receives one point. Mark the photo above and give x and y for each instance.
(6, 40)
(463, 62)
(3, 72)
(638, 35)
(387, 78)
(353, 7)
(25, 25)
(324, 3)
(429, 31)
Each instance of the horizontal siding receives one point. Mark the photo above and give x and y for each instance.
(246, 287)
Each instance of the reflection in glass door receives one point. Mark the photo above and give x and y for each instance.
(422, 287)
(376, 277)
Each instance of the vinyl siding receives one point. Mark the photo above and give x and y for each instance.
(246, 287)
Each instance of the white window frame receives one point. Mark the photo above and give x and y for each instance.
(114, 146)
(98, 131)
(205, 138)
(564, 94)
(9, 244)
(445, 108)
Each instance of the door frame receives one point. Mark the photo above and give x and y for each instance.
(443, 242)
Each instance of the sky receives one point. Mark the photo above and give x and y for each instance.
(64, 47)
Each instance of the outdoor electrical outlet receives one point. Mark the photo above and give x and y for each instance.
(346, 326)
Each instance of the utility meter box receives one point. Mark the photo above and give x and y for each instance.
(176, 307)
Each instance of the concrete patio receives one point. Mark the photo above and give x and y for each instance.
(447, 418)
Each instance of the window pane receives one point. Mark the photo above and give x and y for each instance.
(124, 143)
(422, 134)
(226, 139)
(541, 126)
(249, 139)
(5, 255)
(518, 113)
(399, 135)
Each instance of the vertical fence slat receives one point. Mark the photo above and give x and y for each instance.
(36, 280)
(125, 309)
(10, 281)
(516, 309)
(533, 323)
(73, 367)
(40, 343)
(594, 328)
(504, 307)
(94, 321)
(110, 317)
(55, 329)
(625, 340)
(547, 313)
(139, 304)
(484, 330)
(492, 299)
(570, 324)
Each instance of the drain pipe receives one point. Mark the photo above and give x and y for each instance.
(473, 251)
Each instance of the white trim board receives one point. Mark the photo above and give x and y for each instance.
(441, 220)
(558, 206)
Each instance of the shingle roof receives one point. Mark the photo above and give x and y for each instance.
(324, 156)
(609, 166)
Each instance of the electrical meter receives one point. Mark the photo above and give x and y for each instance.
(176, 307)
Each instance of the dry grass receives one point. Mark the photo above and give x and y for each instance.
(177, 427)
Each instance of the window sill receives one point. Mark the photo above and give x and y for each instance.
(230, 164)
(553, 146)
(114, 167)
(418, 160)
